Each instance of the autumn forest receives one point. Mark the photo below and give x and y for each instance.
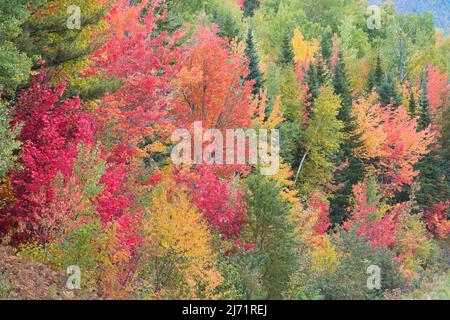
(224, 150)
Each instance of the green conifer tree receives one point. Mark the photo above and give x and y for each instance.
(412, 104)
(326, 45)
(378, 73)
(313, 86)
(249, 7)
(387, 93)
(253, 63)
(424, 105)
(49, 35)
(351, 169)
(287, 53)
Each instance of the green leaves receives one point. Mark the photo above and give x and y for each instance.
(322, 139)
(8, 144)
(14, 64)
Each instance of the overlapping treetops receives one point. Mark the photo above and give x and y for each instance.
(86, 118)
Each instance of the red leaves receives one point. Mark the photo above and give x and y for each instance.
(437, 221)
(221, 203)
(372, 222)
(438, 90)
(318, 203)
(52, 129)
(145, 61)
(51, 133)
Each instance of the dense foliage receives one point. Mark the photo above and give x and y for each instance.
(87, 117)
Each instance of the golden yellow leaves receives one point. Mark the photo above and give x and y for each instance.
(178, 243)
(275, 117)
(303, 49)
(369, 126)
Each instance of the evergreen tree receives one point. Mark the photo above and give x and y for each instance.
(249, 7)
(47, 36)
(253, 63)
(322, 72)
(313, 86)
(370, 81)
(287, 53)
(352, 172)
(227, 25)
(424, 105)
(376, 76)
(340, 82)
(412, 104)
(326, 45)
(378, 73)
(388, 93)
(434, 176)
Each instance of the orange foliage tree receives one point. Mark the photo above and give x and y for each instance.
(392, 143)
(145, 61)
(210, 87)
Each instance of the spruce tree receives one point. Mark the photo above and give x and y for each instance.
(412, 104)
(424, 105)
(313, 85)
(353, 172)
(370, 81)
(227, 25)
(287, 53)
(388, 93)
(65, 50)
(378, 75)
(434, 176)
(326, 45)
(340, 81)
(249, 7)
(253, 63)
(322, 72)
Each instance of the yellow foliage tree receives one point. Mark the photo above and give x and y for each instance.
(413, 245)
(368, 126)
(177, 245)
(303, 49)
(259, 111)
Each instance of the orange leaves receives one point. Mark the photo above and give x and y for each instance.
(275, 117)
(391, 142)
(438, 90)
(369, 125)
(312, 219)
(145, 63)
(437, 221)
(209, 86)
